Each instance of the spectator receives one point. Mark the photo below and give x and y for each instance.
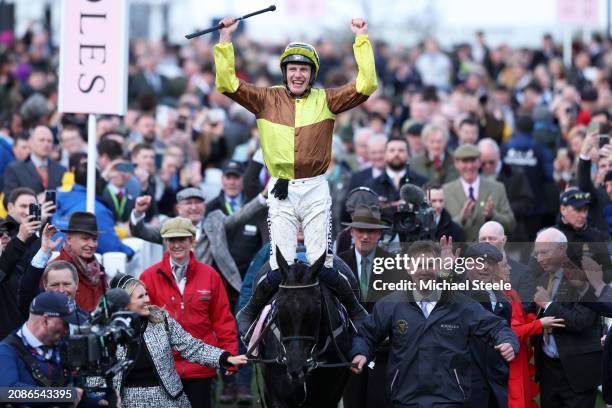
(397, 173)
(180, 279)
(71, 142)
(515, 182)
(39, 172)
(472, 200)
(521, 278)
(445, 226)
(368, 388)
(467, 131)
(79, 249)
(434, 66)
(21, 147)
(568, 360)
(69, 203)
(376, 155)
(115, 195)
(437, 162)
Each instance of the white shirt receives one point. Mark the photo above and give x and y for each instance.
(33, 342)
(180, 281)
(38, 162)
(393, 174)
(466, 187)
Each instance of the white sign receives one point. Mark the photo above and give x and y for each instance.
(93, 56)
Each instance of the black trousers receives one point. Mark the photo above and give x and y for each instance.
(369, 389)
(555, 391)
(199, 391)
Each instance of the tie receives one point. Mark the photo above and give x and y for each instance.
(471, 190)
(119, 195)
(44, 175)
(363, 279)
(437, 163)
(178, 271)
(397, 179)
(424, 303)
(552, 282)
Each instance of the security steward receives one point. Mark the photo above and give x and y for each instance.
(430, 332)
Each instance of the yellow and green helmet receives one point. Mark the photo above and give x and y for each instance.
(300, 53)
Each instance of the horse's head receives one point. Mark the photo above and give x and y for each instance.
(299, 314)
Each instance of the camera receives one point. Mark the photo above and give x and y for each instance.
(35, 211)
(415, 223)
(91, 348)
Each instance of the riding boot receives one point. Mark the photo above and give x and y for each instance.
(343, 290)
(261, 295)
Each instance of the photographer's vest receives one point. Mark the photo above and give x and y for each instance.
(60, 375)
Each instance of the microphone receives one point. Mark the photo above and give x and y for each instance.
(113, 301)
(412, 194)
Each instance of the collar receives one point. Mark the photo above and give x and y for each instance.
(29, 337)
(433, 296)
(173, 263)
(393, 173)
(37, 162)
(466, 185)
(229, 199)
(114, 189)
(431, 158)
(370, 256)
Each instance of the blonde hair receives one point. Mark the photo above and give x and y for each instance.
(128, 284)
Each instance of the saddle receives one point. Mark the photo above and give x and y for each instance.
(338, 322)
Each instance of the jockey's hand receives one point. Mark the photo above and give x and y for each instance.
(360, 360)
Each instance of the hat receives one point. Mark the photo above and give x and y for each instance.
(484, 250)
(57, 304)
(366, 218)
(361, 197)
(178, 227)
(233, 167)
(575, 198)
(466, 151)
(7, 224)
(83, 222)
(190, 192)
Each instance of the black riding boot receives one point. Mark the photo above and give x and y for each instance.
(261, 295)
(342, 288)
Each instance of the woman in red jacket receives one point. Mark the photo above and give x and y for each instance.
(521, 387)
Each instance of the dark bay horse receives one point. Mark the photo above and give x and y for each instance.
(305, 345)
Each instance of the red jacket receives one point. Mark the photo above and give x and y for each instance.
(203, 309)
(521, 388)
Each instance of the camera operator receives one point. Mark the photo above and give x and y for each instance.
(153, 380)
(30, 356)
(414, 220)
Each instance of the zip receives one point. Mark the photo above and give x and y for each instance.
(459, 382)
(394, 378)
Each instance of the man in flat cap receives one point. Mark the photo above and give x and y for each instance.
(472, 200)
(194, 294)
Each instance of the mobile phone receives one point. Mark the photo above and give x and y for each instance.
(603, 140)
(181, 123)
(50, 195)
(35, 211)
(125, 167)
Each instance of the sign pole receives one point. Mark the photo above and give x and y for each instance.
(92, 157)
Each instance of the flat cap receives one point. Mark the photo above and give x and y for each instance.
(466, 151)
(190, 192)
(484, 250)
(178, 227)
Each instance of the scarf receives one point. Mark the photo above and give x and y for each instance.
(89, 269)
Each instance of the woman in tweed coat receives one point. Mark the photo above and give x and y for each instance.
(152, 381)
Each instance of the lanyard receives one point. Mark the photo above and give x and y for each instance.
(119, 207)
(229, 208)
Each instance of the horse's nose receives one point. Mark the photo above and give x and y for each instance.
(297, 376)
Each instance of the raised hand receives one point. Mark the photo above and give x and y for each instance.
(230, 24)
(359, 26)
(47, 243)
(142, 205)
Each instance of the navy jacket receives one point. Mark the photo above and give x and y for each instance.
(603, 306)
(430, 360)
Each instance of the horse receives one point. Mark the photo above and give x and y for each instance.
(304, 345)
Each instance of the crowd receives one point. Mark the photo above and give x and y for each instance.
(508, 145)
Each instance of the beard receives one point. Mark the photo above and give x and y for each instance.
(396, 165)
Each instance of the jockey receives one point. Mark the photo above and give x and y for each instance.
(295, 125)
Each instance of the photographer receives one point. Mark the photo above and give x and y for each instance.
(153, 380)
(30, 356)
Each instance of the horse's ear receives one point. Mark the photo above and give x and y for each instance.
(318, 265)
(282, 264)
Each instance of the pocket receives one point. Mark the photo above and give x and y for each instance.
(456, 374)
(394, 380)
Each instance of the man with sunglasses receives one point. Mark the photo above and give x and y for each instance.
(574, 210)
(296, 126)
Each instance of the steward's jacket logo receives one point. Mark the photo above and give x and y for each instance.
(402, 326)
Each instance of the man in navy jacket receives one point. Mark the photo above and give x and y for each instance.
(430, 334)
